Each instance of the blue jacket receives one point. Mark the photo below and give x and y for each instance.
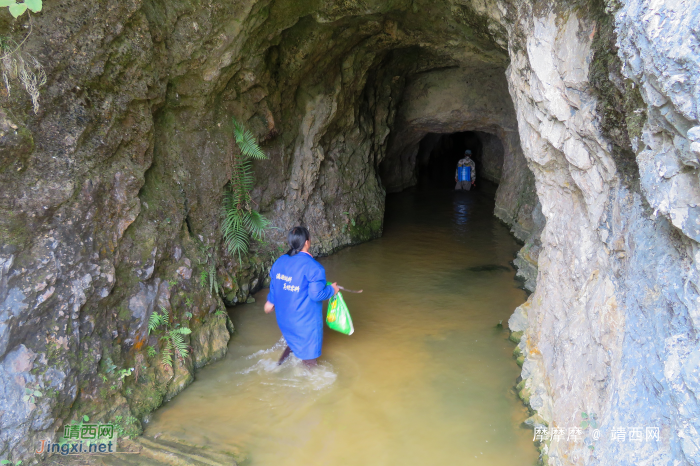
(297, 289)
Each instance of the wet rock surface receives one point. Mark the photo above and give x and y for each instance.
(111, 193)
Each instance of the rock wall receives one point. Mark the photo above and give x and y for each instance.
(111, 192)
(611, 328)
(492, 156)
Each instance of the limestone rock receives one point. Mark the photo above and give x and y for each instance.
(117, 181)
(210, 341)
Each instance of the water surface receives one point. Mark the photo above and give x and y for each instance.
(426, 379)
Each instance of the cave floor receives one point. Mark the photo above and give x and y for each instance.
(427, 377)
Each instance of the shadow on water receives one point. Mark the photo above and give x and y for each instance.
(488, 268)
(425, 379)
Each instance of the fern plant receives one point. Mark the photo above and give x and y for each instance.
(209, 277)
(240, 221)
(173, 337)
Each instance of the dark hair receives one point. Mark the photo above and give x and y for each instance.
(296, 238)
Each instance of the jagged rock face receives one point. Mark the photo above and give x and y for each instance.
(611, 327)
(111, 194)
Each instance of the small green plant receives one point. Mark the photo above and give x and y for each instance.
(31, 395)
(123, 373)
(127, 427)
(151, 351)
(173, 337)
(207, 278)
(219, 312)
(188, 315)
(119, 425)
(240, 221)
(214, 287)
(589, 419)
(18, 9)
(352, 220)
(109, 365)
(172, 282)
(189, 302)
(10, 462)
(208, 275)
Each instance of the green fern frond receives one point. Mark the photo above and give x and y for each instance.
(239, 221)
(178, 342)
(246, 142)
(213, 281)
(154, 322)
(167, 353)
(242, 182)
(166, 316)
(256, 224)
(236, 237)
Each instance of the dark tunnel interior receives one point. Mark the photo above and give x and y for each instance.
(438, 155)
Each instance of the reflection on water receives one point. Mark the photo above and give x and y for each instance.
(426, 379)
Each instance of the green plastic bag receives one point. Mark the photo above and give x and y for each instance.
(338, 316)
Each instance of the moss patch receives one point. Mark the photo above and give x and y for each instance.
(620, 104)
(515, 337)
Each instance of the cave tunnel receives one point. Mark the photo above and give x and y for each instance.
(438, 155)
(118, 170)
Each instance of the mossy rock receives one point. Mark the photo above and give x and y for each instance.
(365, 231)
(536, 421)
(524, 395)
(515, 337)
(517, 352)
(210, 341)
(183, 376)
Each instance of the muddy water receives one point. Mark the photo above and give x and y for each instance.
(426, 379)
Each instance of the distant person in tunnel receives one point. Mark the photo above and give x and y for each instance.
(465, 176)
(297, 289)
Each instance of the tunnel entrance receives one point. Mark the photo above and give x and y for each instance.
(438, 155)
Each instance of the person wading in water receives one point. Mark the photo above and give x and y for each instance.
(297, 288)
(465, 175)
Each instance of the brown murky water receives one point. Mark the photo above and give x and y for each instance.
(426, 379)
